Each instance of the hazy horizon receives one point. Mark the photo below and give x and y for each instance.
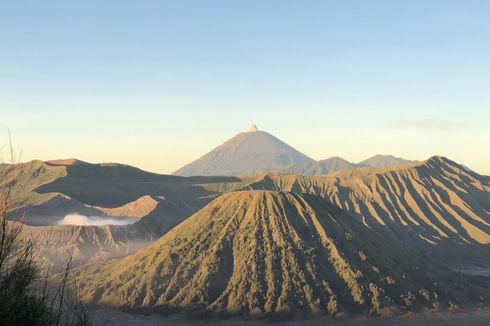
(158, 84)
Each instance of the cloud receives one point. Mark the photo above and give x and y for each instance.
(430, 124)
(78, 219)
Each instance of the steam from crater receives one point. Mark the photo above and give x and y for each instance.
(78, 219)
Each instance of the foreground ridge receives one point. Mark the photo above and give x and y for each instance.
(267, 253)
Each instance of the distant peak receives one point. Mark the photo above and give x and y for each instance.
(383, 160)
(252, 152)
(437, 159)
(253, 128)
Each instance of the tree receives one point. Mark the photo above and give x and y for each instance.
(26, 297)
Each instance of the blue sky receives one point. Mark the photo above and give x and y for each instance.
(158, 83)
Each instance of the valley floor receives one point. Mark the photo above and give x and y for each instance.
(477, 317)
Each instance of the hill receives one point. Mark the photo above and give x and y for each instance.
(263, 253)
(107, 185)
(321, 167)
(87, 243)
(55, 208)
(247, 153)
(335, 164)
(382, 160)
(46, 192)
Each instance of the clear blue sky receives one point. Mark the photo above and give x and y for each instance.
(158, 83)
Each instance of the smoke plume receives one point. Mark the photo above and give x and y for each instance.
(78, 219)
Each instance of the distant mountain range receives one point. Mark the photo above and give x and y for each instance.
(256, 152)
(309, 238)
(334, 164)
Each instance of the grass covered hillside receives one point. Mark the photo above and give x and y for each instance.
(107, 185)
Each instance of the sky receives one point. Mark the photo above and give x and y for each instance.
(157, 84)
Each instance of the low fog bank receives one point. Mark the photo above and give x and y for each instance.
(78, 219)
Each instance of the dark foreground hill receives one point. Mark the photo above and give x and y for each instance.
(265, 253)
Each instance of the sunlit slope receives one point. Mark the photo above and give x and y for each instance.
(29, 176)
(269, 253)
(438, 199)
(245, 154)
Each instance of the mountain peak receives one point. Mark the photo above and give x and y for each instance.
(437, 161)
(247, 153)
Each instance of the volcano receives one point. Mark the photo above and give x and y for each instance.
(247, 153)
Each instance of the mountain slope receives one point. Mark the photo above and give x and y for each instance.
(55, 208)
(435, 202)
(107, 185)
(247, 153)
(112, 185)
(382, 160)
(45, 192)
(259, 253)
(55, 243)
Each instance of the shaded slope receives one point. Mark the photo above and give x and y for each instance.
(247, 153)
(264, 253)
(113, 185)
(106, 185)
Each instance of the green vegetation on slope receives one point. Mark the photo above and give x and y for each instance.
(112, 185)
(105, 185)
(28, 177)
